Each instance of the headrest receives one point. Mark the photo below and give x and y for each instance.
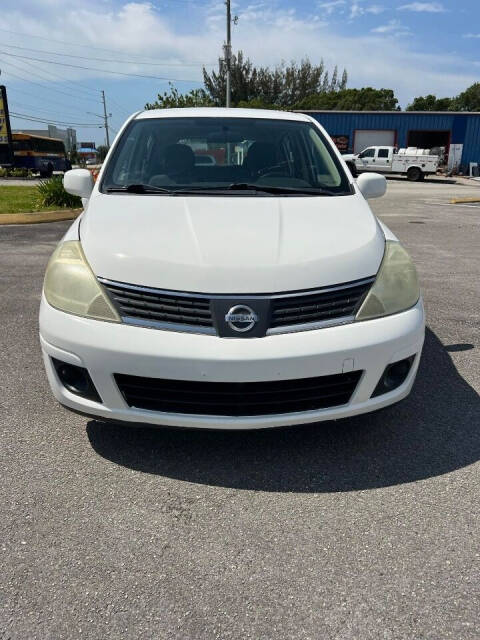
(178, 158)
(259, 156)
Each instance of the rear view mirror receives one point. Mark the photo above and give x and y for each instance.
(78, 182)
(372, 185)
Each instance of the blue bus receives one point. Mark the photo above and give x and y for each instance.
(39, 154)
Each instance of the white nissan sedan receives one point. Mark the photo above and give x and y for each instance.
(255, 291)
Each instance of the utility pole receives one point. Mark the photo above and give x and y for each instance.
(105, 118)
(227, 48)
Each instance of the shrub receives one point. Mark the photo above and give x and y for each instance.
(17, 172)
(52, 193)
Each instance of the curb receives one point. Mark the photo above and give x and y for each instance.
(39, 216)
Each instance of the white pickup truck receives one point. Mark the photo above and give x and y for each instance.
(412, 162)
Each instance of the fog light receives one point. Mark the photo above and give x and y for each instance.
(76, 379)
(394, 375)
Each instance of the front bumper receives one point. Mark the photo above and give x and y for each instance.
(106, 348)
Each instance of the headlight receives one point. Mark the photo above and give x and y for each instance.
(70, 285)
(396, 287)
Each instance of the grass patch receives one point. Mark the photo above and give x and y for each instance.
(21, 200)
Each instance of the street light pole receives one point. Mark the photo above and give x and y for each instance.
(228, 52)
(105, 119)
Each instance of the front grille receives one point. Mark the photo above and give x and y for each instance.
(160, 306)
(205, 313)
(237, 398)
(320, 306)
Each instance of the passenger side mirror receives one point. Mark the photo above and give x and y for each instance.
(372, 185)
(78, 182)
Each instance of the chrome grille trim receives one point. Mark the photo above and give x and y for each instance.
(210, 330)
(311, 326)
(238, 296)
(168, 326)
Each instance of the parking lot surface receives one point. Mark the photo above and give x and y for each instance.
(357, 529)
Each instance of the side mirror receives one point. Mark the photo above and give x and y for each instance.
(372, 185)
(78, 182)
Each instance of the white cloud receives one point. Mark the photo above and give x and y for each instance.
(375, 9)
(393, 27)
(328, 8)
(423, 7)
(471, 35)
(358, 9)
(266, 34)
(355, 10)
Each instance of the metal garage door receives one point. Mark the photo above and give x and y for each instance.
(373, 138)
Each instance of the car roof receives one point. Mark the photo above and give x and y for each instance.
(222, 112)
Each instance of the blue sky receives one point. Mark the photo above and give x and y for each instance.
(414, 48)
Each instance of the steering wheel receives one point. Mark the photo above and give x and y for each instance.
(272, 169)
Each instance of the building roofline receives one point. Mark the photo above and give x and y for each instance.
(20, 132)
(438, 113)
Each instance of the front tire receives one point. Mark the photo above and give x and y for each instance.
(414, 174)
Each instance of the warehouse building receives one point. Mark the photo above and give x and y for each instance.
(458, 133)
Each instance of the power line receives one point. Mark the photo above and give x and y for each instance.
(70, 95)
(119, 73)
(23, 116)
(69, 44)
(41, 74)
(117, 60)
(15, 89)
(14, 105)
(44, 99)
(120, 106)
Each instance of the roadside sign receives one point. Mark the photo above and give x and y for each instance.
(341, 142)
(6, 148)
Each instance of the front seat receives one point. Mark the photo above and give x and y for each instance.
(179, 162)
(260, 155)
(174, 166)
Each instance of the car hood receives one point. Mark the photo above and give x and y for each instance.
(236, 244)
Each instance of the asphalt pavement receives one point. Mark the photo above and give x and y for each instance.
(365, 528)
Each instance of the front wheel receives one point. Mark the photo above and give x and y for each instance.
(414, 174)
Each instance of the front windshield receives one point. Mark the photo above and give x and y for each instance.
(220, 154)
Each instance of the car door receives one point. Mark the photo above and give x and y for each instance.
(365, 159)
(383, 160)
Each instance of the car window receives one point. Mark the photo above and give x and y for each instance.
(368, 153)
(180, 153)
(383, 153)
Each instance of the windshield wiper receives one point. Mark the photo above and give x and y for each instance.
(247, 186)
(235, 186)
(138, 188)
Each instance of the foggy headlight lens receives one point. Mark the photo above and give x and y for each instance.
(396, 287)
(70, 285)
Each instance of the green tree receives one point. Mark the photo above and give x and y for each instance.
(102, 151)
(469, 100)
(280, 87)
(431, 103)
(173, 99)
(366, 99)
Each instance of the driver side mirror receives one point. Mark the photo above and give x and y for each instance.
(78, 182)
(372, 185)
